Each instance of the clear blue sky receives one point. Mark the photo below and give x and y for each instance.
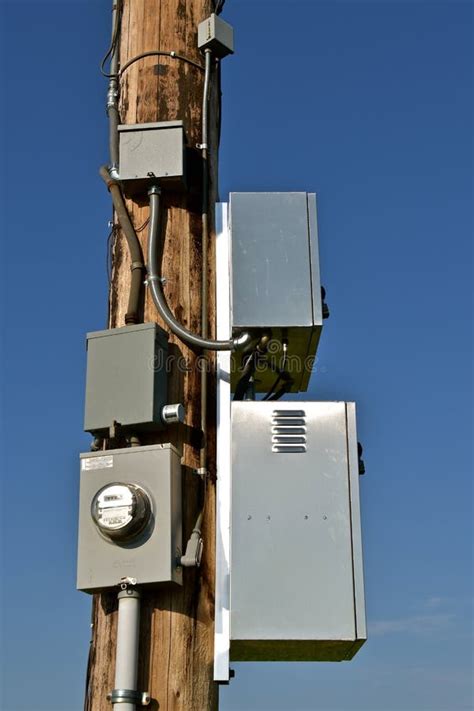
(370, 105)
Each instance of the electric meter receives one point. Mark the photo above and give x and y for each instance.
(121, 511)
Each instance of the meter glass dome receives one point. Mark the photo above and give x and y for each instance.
(121, 510)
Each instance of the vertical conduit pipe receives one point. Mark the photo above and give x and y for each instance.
(113, 91)
(126, 654)
(205, 242)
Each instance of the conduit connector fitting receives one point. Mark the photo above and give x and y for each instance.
(173, 414)
(193, 555)
(129, 696)
(154, 190)
(112, 95)
(241, 341)
(114, 173)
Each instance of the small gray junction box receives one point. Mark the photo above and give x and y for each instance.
(297, 591)
(275, 276)
(126, 378)
(217, 35)
(151, 152)
(150, 557)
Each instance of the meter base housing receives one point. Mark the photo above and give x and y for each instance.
(152, 557)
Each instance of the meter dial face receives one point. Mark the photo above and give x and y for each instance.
(121, 511)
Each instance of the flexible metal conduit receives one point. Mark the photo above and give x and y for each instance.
(136, 254)
(154, 281)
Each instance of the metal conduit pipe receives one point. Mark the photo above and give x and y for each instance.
(154, 281)
(204, 249)
(126, 653)
(136, 254)
(113, 91)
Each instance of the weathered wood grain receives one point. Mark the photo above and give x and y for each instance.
(177, 624)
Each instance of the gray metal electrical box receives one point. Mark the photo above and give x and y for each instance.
(126, 378)
(297, 591)
(275, 277)
(152, 555)
(151, 151)
(217, 35)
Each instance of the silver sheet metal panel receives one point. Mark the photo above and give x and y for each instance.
(275, 273)
(151, 557)
(126, 378)
(296, 554)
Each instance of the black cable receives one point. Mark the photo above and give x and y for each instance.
(219, 5)
(244, 381)
(113, 42)
(281, 373)
(281, 391)
(273, 388)
(110, 245)
(159, 53)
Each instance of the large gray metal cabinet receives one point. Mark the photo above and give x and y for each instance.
(153, 556)
(275, 275)
(296, 554)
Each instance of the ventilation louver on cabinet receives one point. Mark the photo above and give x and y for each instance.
(288, 431)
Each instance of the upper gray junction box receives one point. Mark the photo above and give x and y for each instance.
(217, 35)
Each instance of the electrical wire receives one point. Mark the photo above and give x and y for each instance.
(281, 391)
(219, 5)
(115, 36)
(110, 246)
(247, 372)
(143, 225)
(282, 375)
(159, 53)
(134, 246)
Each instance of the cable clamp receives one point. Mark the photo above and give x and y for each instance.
(201, 472)
(136, 265)
(154, 277)
(129, 696)
(114, 174)
(202, 146)
(126, 582)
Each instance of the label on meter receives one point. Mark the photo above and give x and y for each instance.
(90, 463)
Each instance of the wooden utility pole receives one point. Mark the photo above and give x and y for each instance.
(177, 624)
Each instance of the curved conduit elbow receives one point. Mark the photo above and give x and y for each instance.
(136, 254)
(154, 281)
